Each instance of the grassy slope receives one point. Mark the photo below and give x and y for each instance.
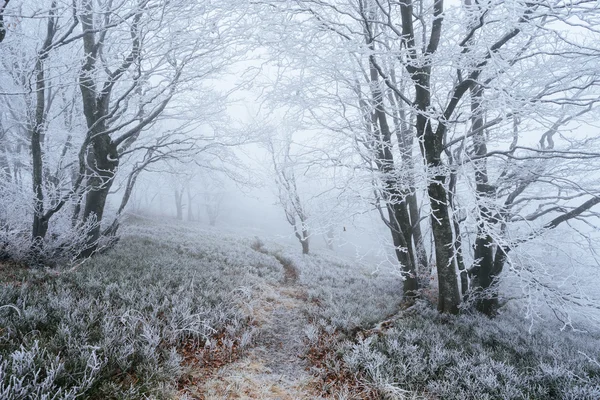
(424, 355)
(112, 327)
(471, 357)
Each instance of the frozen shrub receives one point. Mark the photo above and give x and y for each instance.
(32, 373)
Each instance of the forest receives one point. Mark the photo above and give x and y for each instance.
(299, 199)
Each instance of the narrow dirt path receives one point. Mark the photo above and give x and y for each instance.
(273, 367)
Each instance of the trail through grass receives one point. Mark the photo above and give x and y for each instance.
(274, 367)
(176, 312)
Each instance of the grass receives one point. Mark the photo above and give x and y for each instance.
(473, 357)
(119, 326)
(425, 355)
(344, 295)
(111, 329)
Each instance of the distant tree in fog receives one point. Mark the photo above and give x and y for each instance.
(288, 195)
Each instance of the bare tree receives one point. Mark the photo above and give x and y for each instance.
(445, 78)
(134, 64)
(287, 189)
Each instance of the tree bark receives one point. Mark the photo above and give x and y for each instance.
(40, 222)
(431, 150)
(485, 285)
(398, 214)
(104, 155)
(431, 147)
(190, 213)
(305, 244)
(102, 171)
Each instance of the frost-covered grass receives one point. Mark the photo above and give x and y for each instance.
(472, 357)
(111, 328)
(424, 355)
(114, 327)
(343, 294)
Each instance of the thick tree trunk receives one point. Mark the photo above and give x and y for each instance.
(40, 221)
(485, 288)
(102, 171)
(431, 146)
(40, 224)
(103, 153)
(449, 296)
(419, 70)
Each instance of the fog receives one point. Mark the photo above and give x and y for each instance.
(299, 199)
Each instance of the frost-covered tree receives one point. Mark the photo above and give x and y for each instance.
(288, 194)
(86, 85)
(456, 109)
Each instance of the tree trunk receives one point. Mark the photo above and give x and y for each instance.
(431, 147)
(398, 215)
(449, 296)
(103, 152)
(399, 220)
(40, 222)
(413, 217)
(458, 251)
(5, 171)
(102, 169)
(304, 242)
(190, 213)
(302, 234)
(40, 225)
(131, 180)
(485, 288)
(179, 204)
(329, 238)
(405, 138)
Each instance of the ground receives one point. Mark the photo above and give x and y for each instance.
(179, 312)
(275, 367)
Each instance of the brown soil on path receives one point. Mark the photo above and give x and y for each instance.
(274, 367)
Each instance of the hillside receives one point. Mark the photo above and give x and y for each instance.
(178, 312)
